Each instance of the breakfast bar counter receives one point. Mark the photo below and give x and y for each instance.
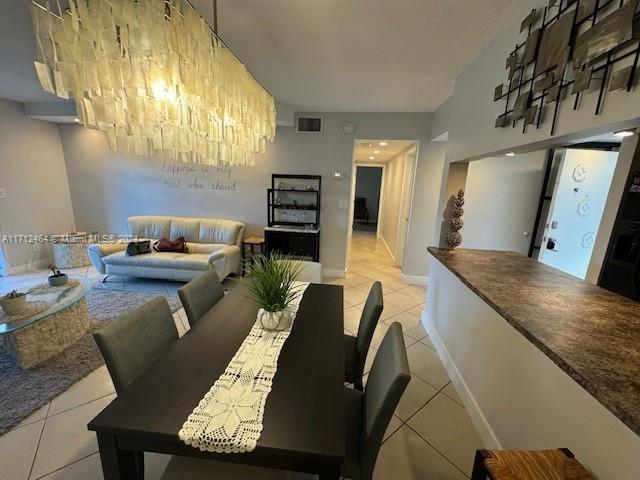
(541, 359)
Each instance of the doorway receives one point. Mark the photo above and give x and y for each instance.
(366, 206)
(383, 169)
(577, 204)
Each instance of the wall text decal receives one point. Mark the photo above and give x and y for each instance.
(190, 176)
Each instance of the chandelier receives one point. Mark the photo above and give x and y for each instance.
(153, 76)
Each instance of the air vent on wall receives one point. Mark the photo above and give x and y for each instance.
(309, 125)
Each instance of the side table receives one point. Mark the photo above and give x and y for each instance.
(250, 247)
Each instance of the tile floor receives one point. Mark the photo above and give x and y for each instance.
(429, 437)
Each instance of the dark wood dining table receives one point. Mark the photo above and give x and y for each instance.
(304, 418)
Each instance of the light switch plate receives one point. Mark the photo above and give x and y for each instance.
(3, 193)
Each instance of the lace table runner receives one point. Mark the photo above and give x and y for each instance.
(229, 417)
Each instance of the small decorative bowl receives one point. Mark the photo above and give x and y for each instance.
(58, 280)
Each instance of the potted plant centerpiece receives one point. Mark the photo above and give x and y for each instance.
(13, 302)
(57, 278)
(272, 285)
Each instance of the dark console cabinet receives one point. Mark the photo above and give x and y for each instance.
(293, 242)
(293, 216)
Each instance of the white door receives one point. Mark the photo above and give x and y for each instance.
(576, 209)
(405, 208)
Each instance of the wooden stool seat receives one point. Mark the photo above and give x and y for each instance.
(559, 464)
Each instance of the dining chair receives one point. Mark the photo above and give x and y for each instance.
(369, 412)
(200, 294)
(133, 342)
(356, 348)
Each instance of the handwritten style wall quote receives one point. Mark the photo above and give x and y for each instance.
(189, 176)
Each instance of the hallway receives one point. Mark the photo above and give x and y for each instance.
(431, 434)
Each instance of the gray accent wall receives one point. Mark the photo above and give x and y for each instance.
(107, 187)
(33, 174)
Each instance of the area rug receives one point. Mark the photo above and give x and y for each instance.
(24, 391)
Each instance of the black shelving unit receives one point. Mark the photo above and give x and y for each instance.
(293, 193)
(293, 215)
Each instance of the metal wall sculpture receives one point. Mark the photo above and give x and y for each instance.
(572, 47)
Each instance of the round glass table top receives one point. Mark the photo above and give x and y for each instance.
(58, 299)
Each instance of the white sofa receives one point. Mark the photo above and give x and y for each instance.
(211, 244)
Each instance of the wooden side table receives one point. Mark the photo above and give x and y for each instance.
(250, 247)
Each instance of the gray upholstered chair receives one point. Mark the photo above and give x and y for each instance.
(369, 412)
(135, 340)
(356, 348)
(200, 294)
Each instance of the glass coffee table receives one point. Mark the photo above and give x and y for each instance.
(36, 338)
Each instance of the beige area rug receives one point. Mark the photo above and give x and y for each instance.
(24, 391)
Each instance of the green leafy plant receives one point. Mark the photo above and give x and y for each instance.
(55, 272)
(271, 281)
(14, 294)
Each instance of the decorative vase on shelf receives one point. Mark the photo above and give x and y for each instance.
(454, 237)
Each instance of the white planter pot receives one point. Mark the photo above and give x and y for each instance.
(13, 305)
(280, 320)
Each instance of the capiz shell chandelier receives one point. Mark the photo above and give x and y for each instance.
(152, 75)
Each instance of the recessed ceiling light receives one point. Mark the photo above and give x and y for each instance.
(372, 158)
(376, 151)
(511, 154)
(624, 133)
(77, 120)
(383, 144)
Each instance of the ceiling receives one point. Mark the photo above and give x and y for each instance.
(363, 150)
(329, 55)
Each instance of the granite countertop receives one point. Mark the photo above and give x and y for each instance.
(589, 332)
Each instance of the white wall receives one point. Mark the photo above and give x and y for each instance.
(108, 187)
(517, 397)
(424, 214)
(368, 185)
(473, 112)
(501, 201)
(32, 171)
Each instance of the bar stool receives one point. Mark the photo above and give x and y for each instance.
(559, 464)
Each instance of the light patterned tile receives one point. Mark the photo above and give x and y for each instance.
(78, 443)
(415, 291)
(402, 300)
(407, 320)
(416, 332)
(425, 363)
(416, 395)
(405, 455)
(451, 392)
(96, 385)
(417, 310)
(353, 295)
(18, 449)
(447, 426)
(351, 320)
(389, 310)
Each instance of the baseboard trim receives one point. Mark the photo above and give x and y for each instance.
(478, 418)
(422, 280)
(331, 273)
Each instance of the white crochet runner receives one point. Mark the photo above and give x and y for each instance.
(229, 417)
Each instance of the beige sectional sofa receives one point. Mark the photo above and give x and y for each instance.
(212, 243)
